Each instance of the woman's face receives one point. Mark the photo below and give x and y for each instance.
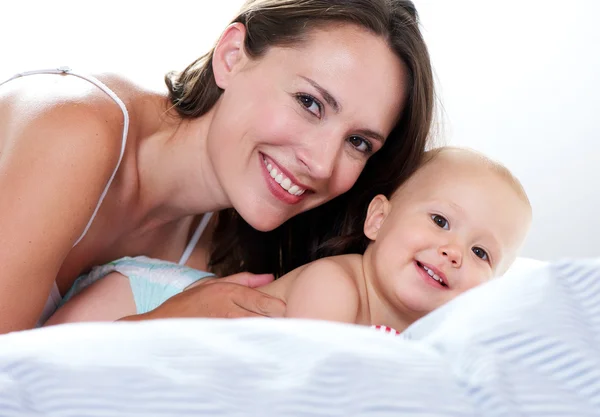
(294, 128)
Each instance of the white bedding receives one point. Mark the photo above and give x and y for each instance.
(524, 345)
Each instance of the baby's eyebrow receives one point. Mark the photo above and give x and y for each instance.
(456, 207)
(495, 250)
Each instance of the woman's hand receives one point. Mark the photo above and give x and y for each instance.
(230, 297)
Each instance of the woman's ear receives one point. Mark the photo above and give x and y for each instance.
(378, 210)
(229, 54)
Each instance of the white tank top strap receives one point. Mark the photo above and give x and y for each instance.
(51, 305)
(112, 95)
(54, 298)
(195, 238)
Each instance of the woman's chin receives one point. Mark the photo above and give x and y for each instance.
(264, 221)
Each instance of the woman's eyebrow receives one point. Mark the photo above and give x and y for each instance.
(372, 134)
(337, 108)
(326, 94)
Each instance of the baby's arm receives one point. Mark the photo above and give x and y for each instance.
(107, 299)
(324, 290)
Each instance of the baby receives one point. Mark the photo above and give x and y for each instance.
(456, 223)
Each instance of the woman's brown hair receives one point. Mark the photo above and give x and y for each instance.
(335, 227)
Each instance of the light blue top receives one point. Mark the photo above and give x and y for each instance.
(152, 281)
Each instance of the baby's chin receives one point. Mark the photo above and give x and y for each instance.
(417, 309)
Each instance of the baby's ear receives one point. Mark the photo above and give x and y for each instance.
(378, 210)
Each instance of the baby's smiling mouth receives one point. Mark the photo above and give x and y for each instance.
(432, 274)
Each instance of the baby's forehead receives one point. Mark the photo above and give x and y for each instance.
(460, 164)
(447, 169)
(454, 159)
(468, 183)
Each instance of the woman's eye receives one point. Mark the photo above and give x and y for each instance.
(310, 103)
(440, 221)
(480, 253)
(361, 144)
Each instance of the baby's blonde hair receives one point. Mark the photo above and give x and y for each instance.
(493, 165)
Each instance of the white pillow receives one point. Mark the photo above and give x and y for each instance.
(522, 268)
(523, 265)
(525, 345)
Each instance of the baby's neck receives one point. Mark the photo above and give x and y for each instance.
(381, 311)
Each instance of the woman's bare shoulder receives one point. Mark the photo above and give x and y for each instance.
(64, 120)
(65, 107)
(49, 99)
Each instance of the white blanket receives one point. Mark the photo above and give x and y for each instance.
(524, 345)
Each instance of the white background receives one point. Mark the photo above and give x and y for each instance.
(518, 80)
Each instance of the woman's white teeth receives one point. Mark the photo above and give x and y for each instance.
(285, 182)
(433, 275)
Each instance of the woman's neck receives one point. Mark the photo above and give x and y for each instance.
(175, 175)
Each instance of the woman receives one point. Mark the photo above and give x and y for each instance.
(279, 118)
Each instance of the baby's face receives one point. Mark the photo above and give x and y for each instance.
(453, 225)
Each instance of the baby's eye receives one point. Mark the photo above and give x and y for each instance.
(480, 253)
(440, 221)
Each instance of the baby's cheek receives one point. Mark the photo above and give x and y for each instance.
(477, 277)
(417, 237)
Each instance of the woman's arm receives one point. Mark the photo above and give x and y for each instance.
(55, 161)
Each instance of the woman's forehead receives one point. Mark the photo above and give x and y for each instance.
(356, 67)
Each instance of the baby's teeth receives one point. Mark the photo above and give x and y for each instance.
(273, 173)
(279, 178)
(433, 274)
(293, 189)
